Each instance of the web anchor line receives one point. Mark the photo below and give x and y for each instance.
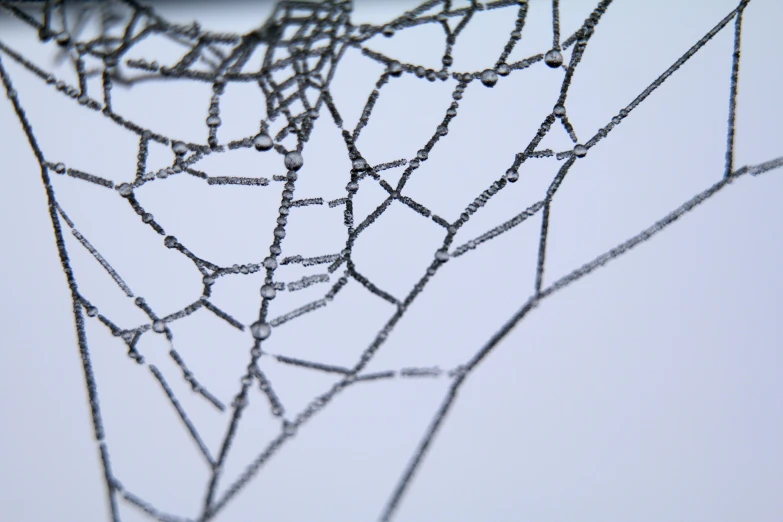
(533, 303)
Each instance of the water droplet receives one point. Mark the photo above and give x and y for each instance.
(59, 168)
(580, 151)
(516, 34)
(451, 112)
(616, 120)
(275, 249)
(125, 190)
(63, 39)
(388, 32)
(553, 58)
(282, 220)
(179, 148)
(270, 263)
(170, 241)
(260, 330)
(559, 110)
(395, 68)
(414, 163)
(208, 280)
(289, 428)
(293, 160)
(352, 186)
(442, 255)
(503, 69)
(213, 121)
(312, 114)
(287, 194)
(448, 60)
(279, 232)
(422, 155)
(489, 78)
(92, 311)
(263, 142)
(420, 71)
(159, 326)
(511, 175)
(268, 292)
(359, 164)
(443, 130)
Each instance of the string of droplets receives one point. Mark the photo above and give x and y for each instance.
(325, 23)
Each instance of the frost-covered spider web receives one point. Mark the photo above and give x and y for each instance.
(247, 226)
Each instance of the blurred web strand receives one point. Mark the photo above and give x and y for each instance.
(322, 32)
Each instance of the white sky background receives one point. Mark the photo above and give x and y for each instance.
(649, 390)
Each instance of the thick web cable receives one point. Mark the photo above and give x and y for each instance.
(302, 45)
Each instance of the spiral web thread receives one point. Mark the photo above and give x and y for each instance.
(321, 33)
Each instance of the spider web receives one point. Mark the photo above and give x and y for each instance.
(291, 61)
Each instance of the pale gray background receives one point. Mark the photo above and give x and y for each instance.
(651, 390)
